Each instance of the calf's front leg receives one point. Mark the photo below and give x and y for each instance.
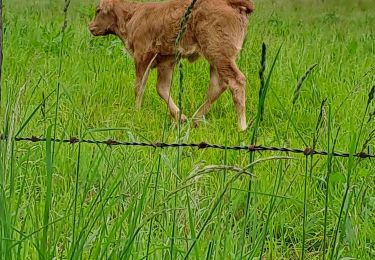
(163, 85)
(143, 66)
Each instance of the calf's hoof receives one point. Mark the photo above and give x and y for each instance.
(197, 121)
(183, 118)
(137, 107)
(242, 127)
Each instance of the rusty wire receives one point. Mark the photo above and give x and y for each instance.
(202, 145)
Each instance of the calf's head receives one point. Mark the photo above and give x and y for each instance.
(105, 20)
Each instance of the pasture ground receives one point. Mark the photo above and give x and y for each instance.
(91, 201)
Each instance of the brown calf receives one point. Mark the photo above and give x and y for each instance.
(215, 30)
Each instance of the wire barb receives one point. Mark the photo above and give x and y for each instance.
(73, 140)
(308, 151)
(203, 145)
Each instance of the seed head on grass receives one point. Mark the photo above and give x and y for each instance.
(371, 115)
(217, 168)
(182, 28)
(297, 89)
(262, 67)
(262, 88)
(371, 95)
(1, 45)
(369, 101)
(184, 21)
(366, 143)
(319, 122)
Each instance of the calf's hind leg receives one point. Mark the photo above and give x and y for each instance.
(235, 80)
(215, 89)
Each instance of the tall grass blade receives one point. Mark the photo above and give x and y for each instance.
(5, 218)
(1, 49)
(48, 199)
(193, 234)
(59, 74)
(259, 117)
(329, 171)
(331, 150)
(304, 219)
(336, 239)
(209, 251)
(179, 37)
(76, 194)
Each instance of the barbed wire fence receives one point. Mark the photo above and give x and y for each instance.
(202, 145)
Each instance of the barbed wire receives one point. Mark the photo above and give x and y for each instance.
(202, 145)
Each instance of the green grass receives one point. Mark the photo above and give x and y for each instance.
(91, 201)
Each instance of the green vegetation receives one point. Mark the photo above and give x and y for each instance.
(92, 201)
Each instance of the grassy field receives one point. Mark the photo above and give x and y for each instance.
(82, 201)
